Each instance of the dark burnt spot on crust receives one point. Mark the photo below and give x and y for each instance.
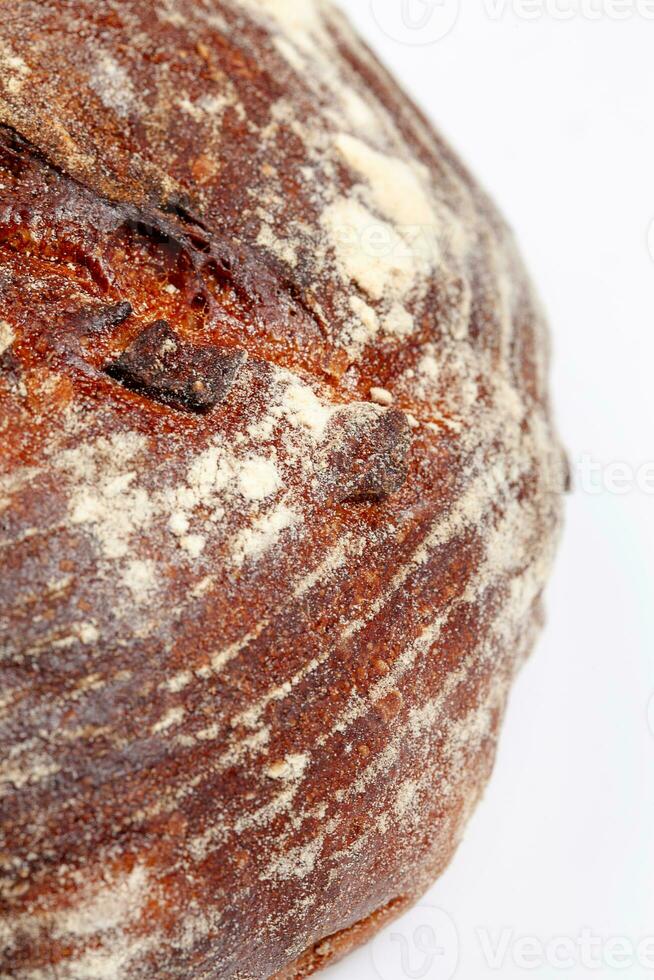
(100, 319)
(161, 365)
(371, 459)
(10, 368)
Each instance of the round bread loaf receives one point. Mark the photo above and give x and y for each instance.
(279, 490)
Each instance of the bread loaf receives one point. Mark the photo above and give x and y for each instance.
(279, 490)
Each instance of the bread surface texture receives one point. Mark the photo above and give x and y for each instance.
(279, 490)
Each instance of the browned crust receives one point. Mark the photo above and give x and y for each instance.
(258, 625)
(334, 948)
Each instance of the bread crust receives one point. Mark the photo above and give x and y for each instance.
(279, 490)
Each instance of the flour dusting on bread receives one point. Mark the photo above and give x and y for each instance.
(279, 490)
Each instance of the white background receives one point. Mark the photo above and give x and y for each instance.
(555, 115)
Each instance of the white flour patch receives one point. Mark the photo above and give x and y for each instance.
(395, 189)
(179, 523)
(297, 20)
(173, 717)
(297, 862)
(365, 327)
(105, 907)
(104, 493)
(194, 544)
(290, 53)
(303, 409)
(88, 633)
(292, 767)
(140, 577)
(258, 478)
(284, 250)
(428, 368)
(398, 322)
(18, 70)
(254, 541)
(112, 85)
(7, 336)
(368, 251)
(380, 396)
